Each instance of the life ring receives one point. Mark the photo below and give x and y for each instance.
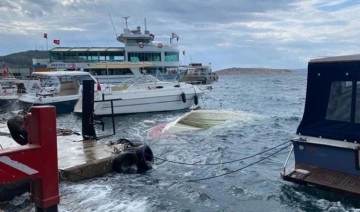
(144, 157)
(125, 163)
(196, 100)
(183, 97)
(141, 45)
(160, 45)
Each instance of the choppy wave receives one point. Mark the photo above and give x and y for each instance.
(276, 103)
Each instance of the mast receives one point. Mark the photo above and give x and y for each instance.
(145, 32)
(126, 18)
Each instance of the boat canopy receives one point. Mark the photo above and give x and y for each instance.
(332, 106)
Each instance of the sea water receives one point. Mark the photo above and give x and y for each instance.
(274, 105)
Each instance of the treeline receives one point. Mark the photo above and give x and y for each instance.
(23, 59)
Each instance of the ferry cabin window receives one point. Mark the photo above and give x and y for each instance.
(144, 57)
(339, 104)
(171, 56)
(111, 72)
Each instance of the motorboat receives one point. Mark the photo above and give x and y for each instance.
(144, 93)
(11, 88)
(326, 148)
(198, 74)
(59, 88)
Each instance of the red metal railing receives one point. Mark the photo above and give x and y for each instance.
(37, 160)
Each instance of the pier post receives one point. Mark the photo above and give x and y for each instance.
(88, 130)
(37, 161)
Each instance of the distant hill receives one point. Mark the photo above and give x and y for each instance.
(23, 59)
(232, 71)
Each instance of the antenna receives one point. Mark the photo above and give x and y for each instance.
(113, 25)
(126, 18)
(145, 25)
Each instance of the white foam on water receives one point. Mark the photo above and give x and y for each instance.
(95, 197)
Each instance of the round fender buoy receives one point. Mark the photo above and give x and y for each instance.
(17, 129)
(196, 100)
(125, 163)
(183, 97)
(144, 157)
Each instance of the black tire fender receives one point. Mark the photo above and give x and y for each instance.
(144, 157)
(196, 100)
(125, 163)
(183, 97)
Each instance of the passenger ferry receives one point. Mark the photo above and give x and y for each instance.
(139, 46)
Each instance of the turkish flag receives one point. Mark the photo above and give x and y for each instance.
(57, 42)
(5, 72)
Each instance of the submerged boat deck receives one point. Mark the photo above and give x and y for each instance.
(325, 178)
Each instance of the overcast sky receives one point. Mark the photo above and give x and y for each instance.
(225, 33)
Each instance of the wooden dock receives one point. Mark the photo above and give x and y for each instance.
(325, 178)
(77, 159)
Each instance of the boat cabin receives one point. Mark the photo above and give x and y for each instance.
(327, 149)
(332, 107)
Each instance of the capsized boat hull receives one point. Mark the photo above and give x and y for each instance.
(203, 119)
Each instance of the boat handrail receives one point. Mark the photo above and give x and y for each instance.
(328, 142)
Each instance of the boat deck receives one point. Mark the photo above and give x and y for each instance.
(325, 178)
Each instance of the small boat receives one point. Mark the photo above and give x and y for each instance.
(144, 93)
(59, 88)
(199, 119)
(202, 119)
(326, 149)
(197, 74)
(11, 88)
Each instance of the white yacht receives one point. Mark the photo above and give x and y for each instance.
(143, 93)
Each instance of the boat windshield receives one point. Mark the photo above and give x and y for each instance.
(145, 79)
(79, 78)
(55, 80)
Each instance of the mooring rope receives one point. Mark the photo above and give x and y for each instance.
(236, 170)
(221, 163)
(216, 100)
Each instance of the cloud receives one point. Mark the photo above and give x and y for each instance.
(272, 33)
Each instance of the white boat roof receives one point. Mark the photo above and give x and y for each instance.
(354, 57)
(86, 49)
(120, 65)
(60, 73)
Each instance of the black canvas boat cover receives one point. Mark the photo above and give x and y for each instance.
(332, 106)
